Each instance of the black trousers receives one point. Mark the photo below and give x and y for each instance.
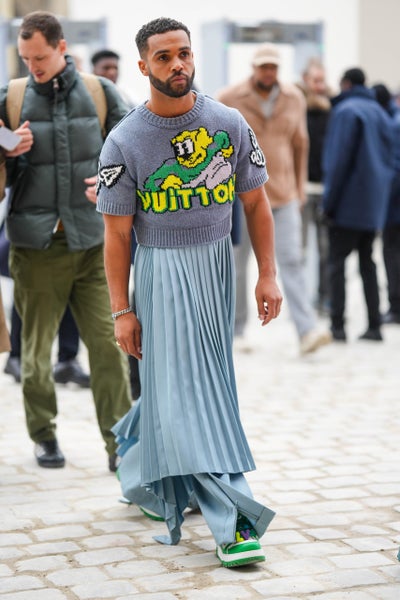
(342, 242)
(391, 257)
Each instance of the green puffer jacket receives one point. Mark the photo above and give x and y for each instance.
(47, 183)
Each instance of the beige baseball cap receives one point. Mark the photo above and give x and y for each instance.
(266, 54)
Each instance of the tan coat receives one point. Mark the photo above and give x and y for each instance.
(283, 138)
(4, 335)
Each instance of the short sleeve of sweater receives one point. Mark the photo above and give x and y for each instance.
(113, 170)
(251, 169)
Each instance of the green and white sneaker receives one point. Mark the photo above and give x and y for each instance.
(150, 514)
(245, 550)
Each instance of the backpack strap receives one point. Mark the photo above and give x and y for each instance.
(96, 90)
(16, 92)
(15, 98)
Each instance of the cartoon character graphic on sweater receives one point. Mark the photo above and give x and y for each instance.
(200, 159)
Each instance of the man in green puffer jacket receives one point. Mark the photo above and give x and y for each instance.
(56, 235)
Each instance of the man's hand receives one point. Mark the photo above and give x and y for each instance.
(90, 191)
(269, 299)
(26, 142)
(128, 334)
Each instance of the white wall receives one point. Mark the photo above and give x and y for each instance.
(340, 20)
(379, 46)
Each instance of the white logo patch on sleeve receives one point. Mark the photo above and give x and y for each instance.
(110, 175)
(256, 155)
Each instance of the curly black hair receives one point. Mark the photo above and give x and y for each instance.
(160, 25)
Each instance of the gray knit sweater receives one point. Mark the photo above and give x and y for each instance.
(179, 175)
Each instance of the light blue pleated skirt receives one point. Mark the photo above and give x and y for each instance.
(187, 421)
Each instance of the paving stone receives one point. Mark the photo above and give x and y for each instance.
(220, 575)
(283, 537)
(104, 589)
(381, 502)
(340, 482)
(44, 564)
(10, 552)
(325, 519)
(363, 560)
(302, 585)
(291, 485)
(36, 595)
(11, 522)
(118, 525)
(166, 581)
(62, 518)
(19, 582)
(393, 571)
(150, 596)
(12, 539)
(343, 493)
(220, 592)
(53, 548)
(371, 544)
(300, 566)
(107, 541)
(5, 571)
(323, 549)
(326, 533)
(343, 595)
(348, 578)
(74, 576)
(61, 533)
(368, 529)
(384, 592)
(102, 557)
(134, 568)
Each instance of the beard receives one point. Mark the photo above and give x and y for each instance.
(166, 87)
(264, 87)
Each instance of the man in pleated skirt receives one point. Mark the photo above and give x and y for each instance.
(170, 172)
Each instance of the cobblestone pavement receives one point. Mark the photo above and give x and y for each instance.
(324, 430)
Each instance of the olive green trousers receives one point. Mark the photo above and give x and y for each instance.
(45, 281)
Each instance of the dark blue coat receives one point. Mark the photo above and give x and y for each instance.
(358, 161)
(393, 215)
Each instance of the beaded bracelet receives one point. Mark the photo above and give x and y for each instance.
(121, 312)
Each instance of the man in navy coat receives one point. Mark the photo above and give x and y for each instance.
(358, 171)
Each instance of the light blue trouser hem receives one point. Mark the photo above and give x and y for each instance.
(220, 498)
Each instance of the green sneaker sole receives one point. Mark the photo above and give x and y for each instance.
(150, 514)
(238, 559)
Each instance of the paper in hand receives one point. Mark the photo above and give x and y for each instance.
(8, 139)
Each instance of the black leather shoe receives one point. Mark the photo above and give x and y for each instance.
(390, 317)
(71, 371)
(49, 455)
(113, 462)
(372, 334)
(13, 367)
(338, 334)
